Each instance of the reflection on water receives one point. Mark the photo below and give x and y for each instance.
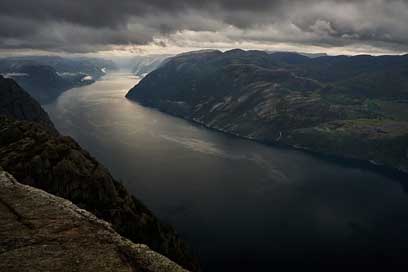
(241, 206)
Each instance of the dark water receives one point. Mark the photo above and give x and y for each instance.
(242, 206)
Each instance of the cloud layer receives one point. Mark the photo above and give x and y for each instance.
(94, 25)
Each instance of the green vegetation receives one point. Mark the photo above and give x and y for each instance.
(348, 106)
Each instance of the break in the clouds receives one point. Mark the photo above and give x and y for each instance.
(82, 26)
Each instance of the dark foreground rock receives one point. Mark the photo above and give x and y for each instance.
(42, 232)
(16, 103)
(35, 156)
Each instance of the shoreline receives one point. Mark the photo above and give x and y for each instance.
(388, 171)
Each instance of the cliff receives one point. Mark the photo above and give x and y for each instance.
(16, 103)
(42, 232)
(58, 165)
(37, 155)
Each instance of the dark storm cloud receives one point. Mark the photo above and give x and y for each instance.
(92, 25)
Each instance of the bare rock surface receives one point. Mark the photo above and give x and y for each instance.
(42, 232)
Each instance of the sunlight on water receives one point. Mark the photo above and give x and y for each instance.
(240, 205)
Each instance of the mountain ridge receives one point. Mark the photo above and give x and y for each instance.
(354, 105)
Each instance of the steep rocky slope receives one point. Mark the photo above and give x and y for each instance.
(42, 232)
(354, 107)
(35, 154)
(15, 102)
(58, 165)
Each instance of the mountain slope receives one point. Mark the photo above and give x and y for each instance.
(43, 82)
(353, 107)
(15, 102)
(143, 65)
(38, 156)
(46, 77)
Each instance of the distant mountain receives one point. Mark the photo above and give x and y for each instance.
(44, 83)
(46, 77)
(94, 67)
(309, 55)
(313, 55)
(354, 107)
(142, 65)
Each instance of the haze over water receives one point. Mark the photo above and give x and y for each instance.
(239, 204)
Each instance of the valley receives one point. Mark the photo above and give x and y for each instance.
(239, 204)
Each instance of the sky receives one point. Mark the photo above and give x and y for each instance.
(128, 27)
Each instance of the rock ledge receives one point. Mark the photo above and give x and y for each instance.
(42, 232)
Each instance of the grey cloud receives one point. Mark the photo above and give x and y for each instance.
(93, 25)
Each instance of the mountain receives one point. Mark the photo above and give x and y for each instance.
(15, 102)
(37, 155)
(46, 77)
(42, 232)
(347, 106)
(142, 65)
(43, 82)
(309, 55)
(88, 66)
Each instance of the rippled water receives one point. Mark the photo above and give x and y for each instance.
(242, 206)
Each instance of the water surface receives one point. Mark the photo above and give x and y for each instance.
(242, 206)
